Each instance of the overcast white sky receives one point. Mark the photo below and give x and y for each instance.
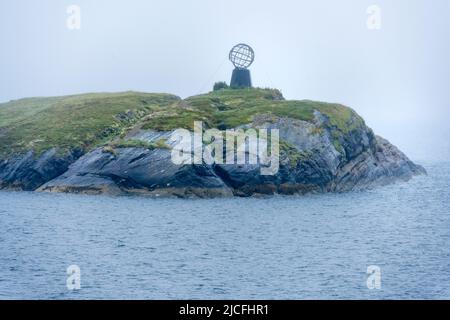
(397, 78)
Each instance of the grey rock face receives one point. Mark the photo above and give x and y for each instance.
(365, 161)
(381, 166)
(27, 172)
(137, 170)
(315, 158)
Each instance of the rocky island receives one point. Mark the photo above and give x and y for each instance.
(118, 144)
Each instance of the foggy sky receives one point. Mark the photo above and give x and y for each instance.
(397, 78)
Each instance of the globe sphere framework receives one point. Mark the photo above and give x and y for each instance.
(242, 56)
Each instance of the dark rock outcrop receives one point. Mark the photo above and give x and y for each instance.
(137, 171)
(28, 172)
(312, 164)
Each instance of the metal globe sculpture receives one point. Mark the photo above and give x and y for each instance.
(242, 56)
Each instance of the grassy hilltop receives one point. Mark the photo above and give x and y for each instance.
(78, 121)
(88, 120)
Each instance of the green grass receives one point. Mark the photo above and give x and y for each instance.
(229, 108)
(293, 154)
(89, 120)
(80, 121)
(136, 143)
(133, 143)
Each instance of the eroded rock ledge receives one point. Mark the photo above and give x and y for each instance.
(310, 163)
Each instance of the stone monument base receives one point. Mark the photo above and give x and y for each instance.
(241, 78)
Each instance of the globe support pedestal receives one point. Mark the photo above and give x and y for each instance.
(241, 78)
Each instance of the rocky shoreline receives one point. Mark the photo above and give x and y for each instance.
(370, 161)
(315, 157)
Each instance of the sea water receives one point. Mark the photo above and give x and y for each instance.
(310, 247)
